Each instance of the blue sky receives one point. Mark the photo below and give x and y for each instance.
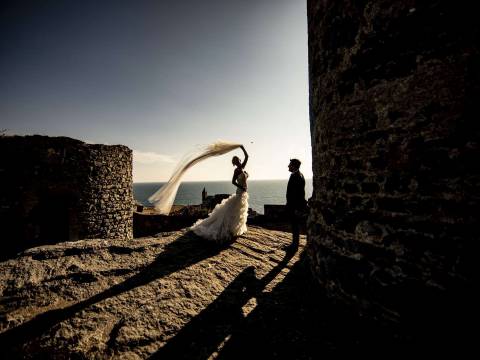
(161, 77)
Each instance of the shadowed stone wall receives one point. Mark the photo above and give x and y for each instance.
(394, 111)
(56, 189)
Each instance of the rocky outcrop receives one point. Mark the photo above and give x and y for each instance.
(56, 189)
(103, 298)
(173, 296)
(394, 94)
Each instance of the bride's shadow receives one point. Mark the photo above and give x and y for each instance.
(188, 249)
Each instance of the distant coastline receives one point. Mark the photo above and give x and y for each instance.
(210, 181)
(261, 192)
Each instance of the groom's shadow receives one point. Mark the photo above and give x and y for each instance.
(203, 334)
(188, 249)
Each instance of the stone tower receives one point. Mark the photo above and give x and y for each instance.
(57, 189)
(394, 112)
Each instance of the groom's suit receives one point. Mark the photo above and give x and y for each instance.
(296, 203)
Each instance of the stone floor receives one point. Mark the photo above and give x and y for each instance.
(173, 296)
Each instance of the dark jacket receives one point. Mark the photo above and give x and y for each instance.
(296, 192)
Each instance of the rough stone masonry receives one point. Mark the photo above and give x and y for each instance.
(56, 188)
(394, 111)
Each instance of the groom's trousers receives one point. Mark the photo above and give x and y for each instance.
(296, 219)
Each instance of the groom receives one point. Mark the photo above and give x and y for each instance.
(296, 204)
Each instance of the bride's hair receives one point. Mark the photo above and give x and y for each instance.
(235, 159)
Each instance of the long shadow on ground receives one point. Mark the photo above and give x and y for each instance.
(297, 321)
(203, 334)
(188, 249)
(294, 321)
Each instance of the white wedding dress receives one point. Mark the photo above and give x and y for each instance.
(228, 219)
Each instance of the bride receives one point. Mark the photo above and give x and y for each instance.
(229, 218)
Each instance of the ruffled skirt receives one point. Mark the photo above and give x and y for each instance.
(227, 220)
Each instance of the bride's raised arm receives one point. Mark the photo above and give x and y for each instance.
(244, 163)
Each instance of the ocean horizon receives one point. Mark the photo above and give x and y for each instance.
(260, 192)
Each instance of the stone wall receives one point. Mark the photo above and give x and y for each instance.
(153, 224)
(57, 189)
(394, 111)
(275, 212)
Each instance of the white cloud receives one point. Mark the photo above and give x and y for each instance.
(147, 157)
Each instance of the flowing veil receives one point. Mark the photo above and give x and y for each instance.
(163, 198)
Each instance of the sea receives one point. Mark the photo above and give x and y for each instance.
(260, 192)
